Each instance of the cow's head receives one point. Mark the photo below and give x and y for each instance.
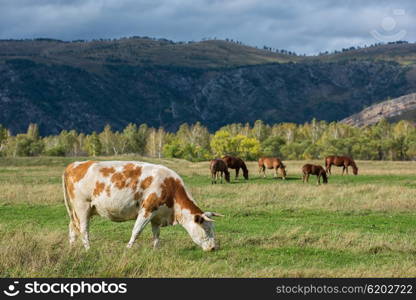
(201, 230)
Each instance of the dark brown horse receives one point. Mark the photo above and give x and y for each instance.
(340, 161)
(237, 164)
(272, 163)
(314, 170)
(219, 168)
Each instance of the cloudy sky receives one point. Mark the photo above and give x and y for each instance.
(304, 26)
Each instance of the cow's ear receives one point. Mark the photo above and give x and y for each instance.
(198, 219)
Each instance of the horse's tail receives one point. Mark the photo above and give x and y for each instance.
(71, 212)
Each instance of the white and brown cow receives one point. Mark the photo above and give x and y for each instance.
(121, 191)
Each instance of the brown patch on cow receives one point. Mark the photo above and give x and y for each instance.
(130, 172)
(74, 174)
(182, 199)
(99, 188)
(107, 171)
(119, 180)
(108, 191)
(138, 195)
(79, 171)
(173, 192)
(146, 182)
(151, 203)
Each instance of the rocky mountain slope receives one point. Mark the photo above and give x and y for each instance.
(402, 108)
(85, 85)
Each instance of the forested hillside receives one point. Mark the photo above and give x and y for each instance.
(85, 85)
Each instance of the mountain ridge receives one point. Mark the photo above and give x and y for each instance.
(82, 90)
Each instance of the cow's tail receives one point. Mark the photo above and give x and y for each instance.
(71, 212)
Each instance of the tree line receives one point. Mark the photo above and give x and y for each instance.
(313, 140)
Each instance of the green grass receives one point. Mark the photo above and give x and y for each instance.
(354, 226)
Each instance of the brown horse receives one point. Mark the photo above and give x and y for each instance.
(314, 170)
(218, 168)
(340, 161)
(272, 163)
(236, 163)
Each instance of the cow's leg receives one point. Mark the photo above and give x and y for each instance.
(142, 219)
(72, 233)
(156, 234)
(84, 219)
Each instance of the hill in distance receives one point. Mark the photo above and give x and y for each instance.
(402, 108)
(85, 85)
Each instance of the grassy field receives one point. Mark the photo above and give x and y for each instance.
(355, 226)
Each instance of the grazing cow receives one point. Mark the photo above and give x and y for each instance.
(218, 168)
(122, 190)
(272, 163)
(340, 161)
(236, 163)
(314, 170)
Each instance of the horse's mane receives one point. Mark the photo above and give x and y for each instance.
(352, 162)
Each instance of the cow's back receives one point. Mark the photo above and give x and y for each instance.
(116, 189)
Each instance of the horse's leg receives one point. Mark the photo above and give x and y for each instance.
(307, 177)
(329, 169)
(221, 176)
(343, 170)
(319, 179)
(262, 169)
(346, 169)
(303, 178)
(236, 172)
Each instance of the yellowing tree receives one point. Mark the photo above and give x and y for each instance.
(247, 148)
(221, 143)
